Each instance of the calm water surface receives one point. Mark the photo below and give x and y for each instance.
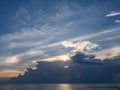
(60, 87)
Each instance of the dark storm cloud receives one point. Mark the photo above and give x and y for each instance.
(81, 69)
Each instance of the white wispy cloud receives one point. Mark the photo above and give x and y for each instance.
(69, 42)
(117, 21)
(113, 13)
(102, 33)
(19, 57)
(110, 38)
(32, 37)
(45, 32)
(63, 12)
(23, 34)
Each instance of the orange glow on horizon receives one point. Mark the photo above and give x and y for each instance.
(10, 73)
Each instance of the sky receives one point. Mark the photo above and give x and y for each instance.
(50, 30)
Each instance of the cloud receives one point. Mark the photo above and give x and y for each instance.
(18, 62)
(110, 38)
(63, 57)
(34, 30)
(67, 44)
(18, 58)
(78, 70)
(113, 13)
(95, 35)
(23, 58)
(117, 21)
(62, 12)
(24, 33)
(30, 37)
(85, 46)
(81, 47)
(108, 53)
(103, 33)
(12, 60)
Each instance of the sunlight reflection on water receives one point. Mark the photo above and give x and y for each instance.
(58, 87)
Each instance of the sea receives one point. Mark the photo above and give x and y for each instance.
(59, 86)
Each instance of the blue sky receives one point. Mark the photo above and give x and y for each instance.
(35, 30)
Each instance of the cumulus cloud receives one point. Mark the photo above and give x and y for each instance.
(86, 46)
(81, 46)
(113, 13)
(108, 53)
(95, 36)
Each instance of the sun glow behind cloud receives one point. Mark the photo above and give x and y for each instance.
(64, 57)
(12, 60)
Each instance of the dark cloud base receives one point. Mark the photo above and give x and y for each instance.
(79, 70)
